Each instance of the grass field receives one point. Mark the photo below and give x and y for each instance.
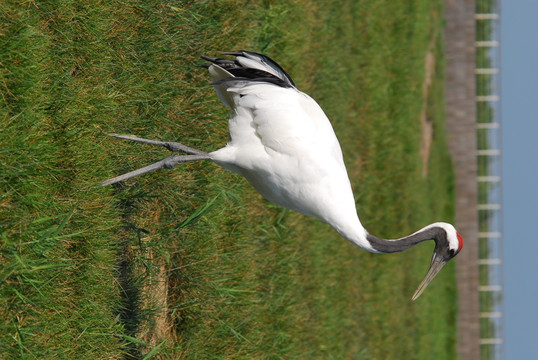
(192, 263)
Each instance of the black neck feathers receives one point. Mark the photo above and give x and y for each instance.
(436, 233)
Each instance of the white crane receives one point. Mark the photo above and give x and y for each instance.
(283, 144)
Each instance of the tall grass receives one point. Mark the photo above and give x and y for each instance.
(192, 263)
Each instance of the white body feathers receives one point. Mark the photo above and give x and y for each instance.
(282, 142)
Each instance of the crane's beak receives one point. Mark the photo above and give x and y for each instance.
(435, 267)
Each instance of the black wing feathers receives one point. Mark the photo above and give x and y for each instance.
(245, 73)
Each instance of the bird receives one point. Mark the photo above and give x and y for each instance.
(283, 144)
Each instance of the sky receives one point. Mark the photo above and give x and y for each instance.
(519, 94)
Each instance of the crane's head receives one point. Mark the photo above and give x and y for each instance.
(448, 243)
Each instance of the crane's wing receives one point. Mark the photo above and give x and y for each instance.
(268, 109)
(247, 66)
(284, 120)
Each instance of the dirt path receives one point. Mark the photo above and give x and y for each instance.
(461, 125)
(425, 123)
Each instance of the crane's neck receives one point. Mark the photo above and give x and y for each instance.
(357, 234)
(385, 246)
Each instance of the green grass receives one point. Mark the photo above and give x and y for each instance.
(192, 263)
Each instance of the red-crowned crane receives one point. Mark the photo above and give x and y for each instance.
(283, 144)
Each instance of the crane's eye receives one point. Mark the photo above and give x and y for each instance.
(452, 252)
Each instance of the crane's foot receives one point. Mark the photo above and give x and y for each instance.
(168, 163)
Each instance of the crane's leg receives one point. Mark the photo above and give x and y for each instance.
(168, 163)
(172, 146)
